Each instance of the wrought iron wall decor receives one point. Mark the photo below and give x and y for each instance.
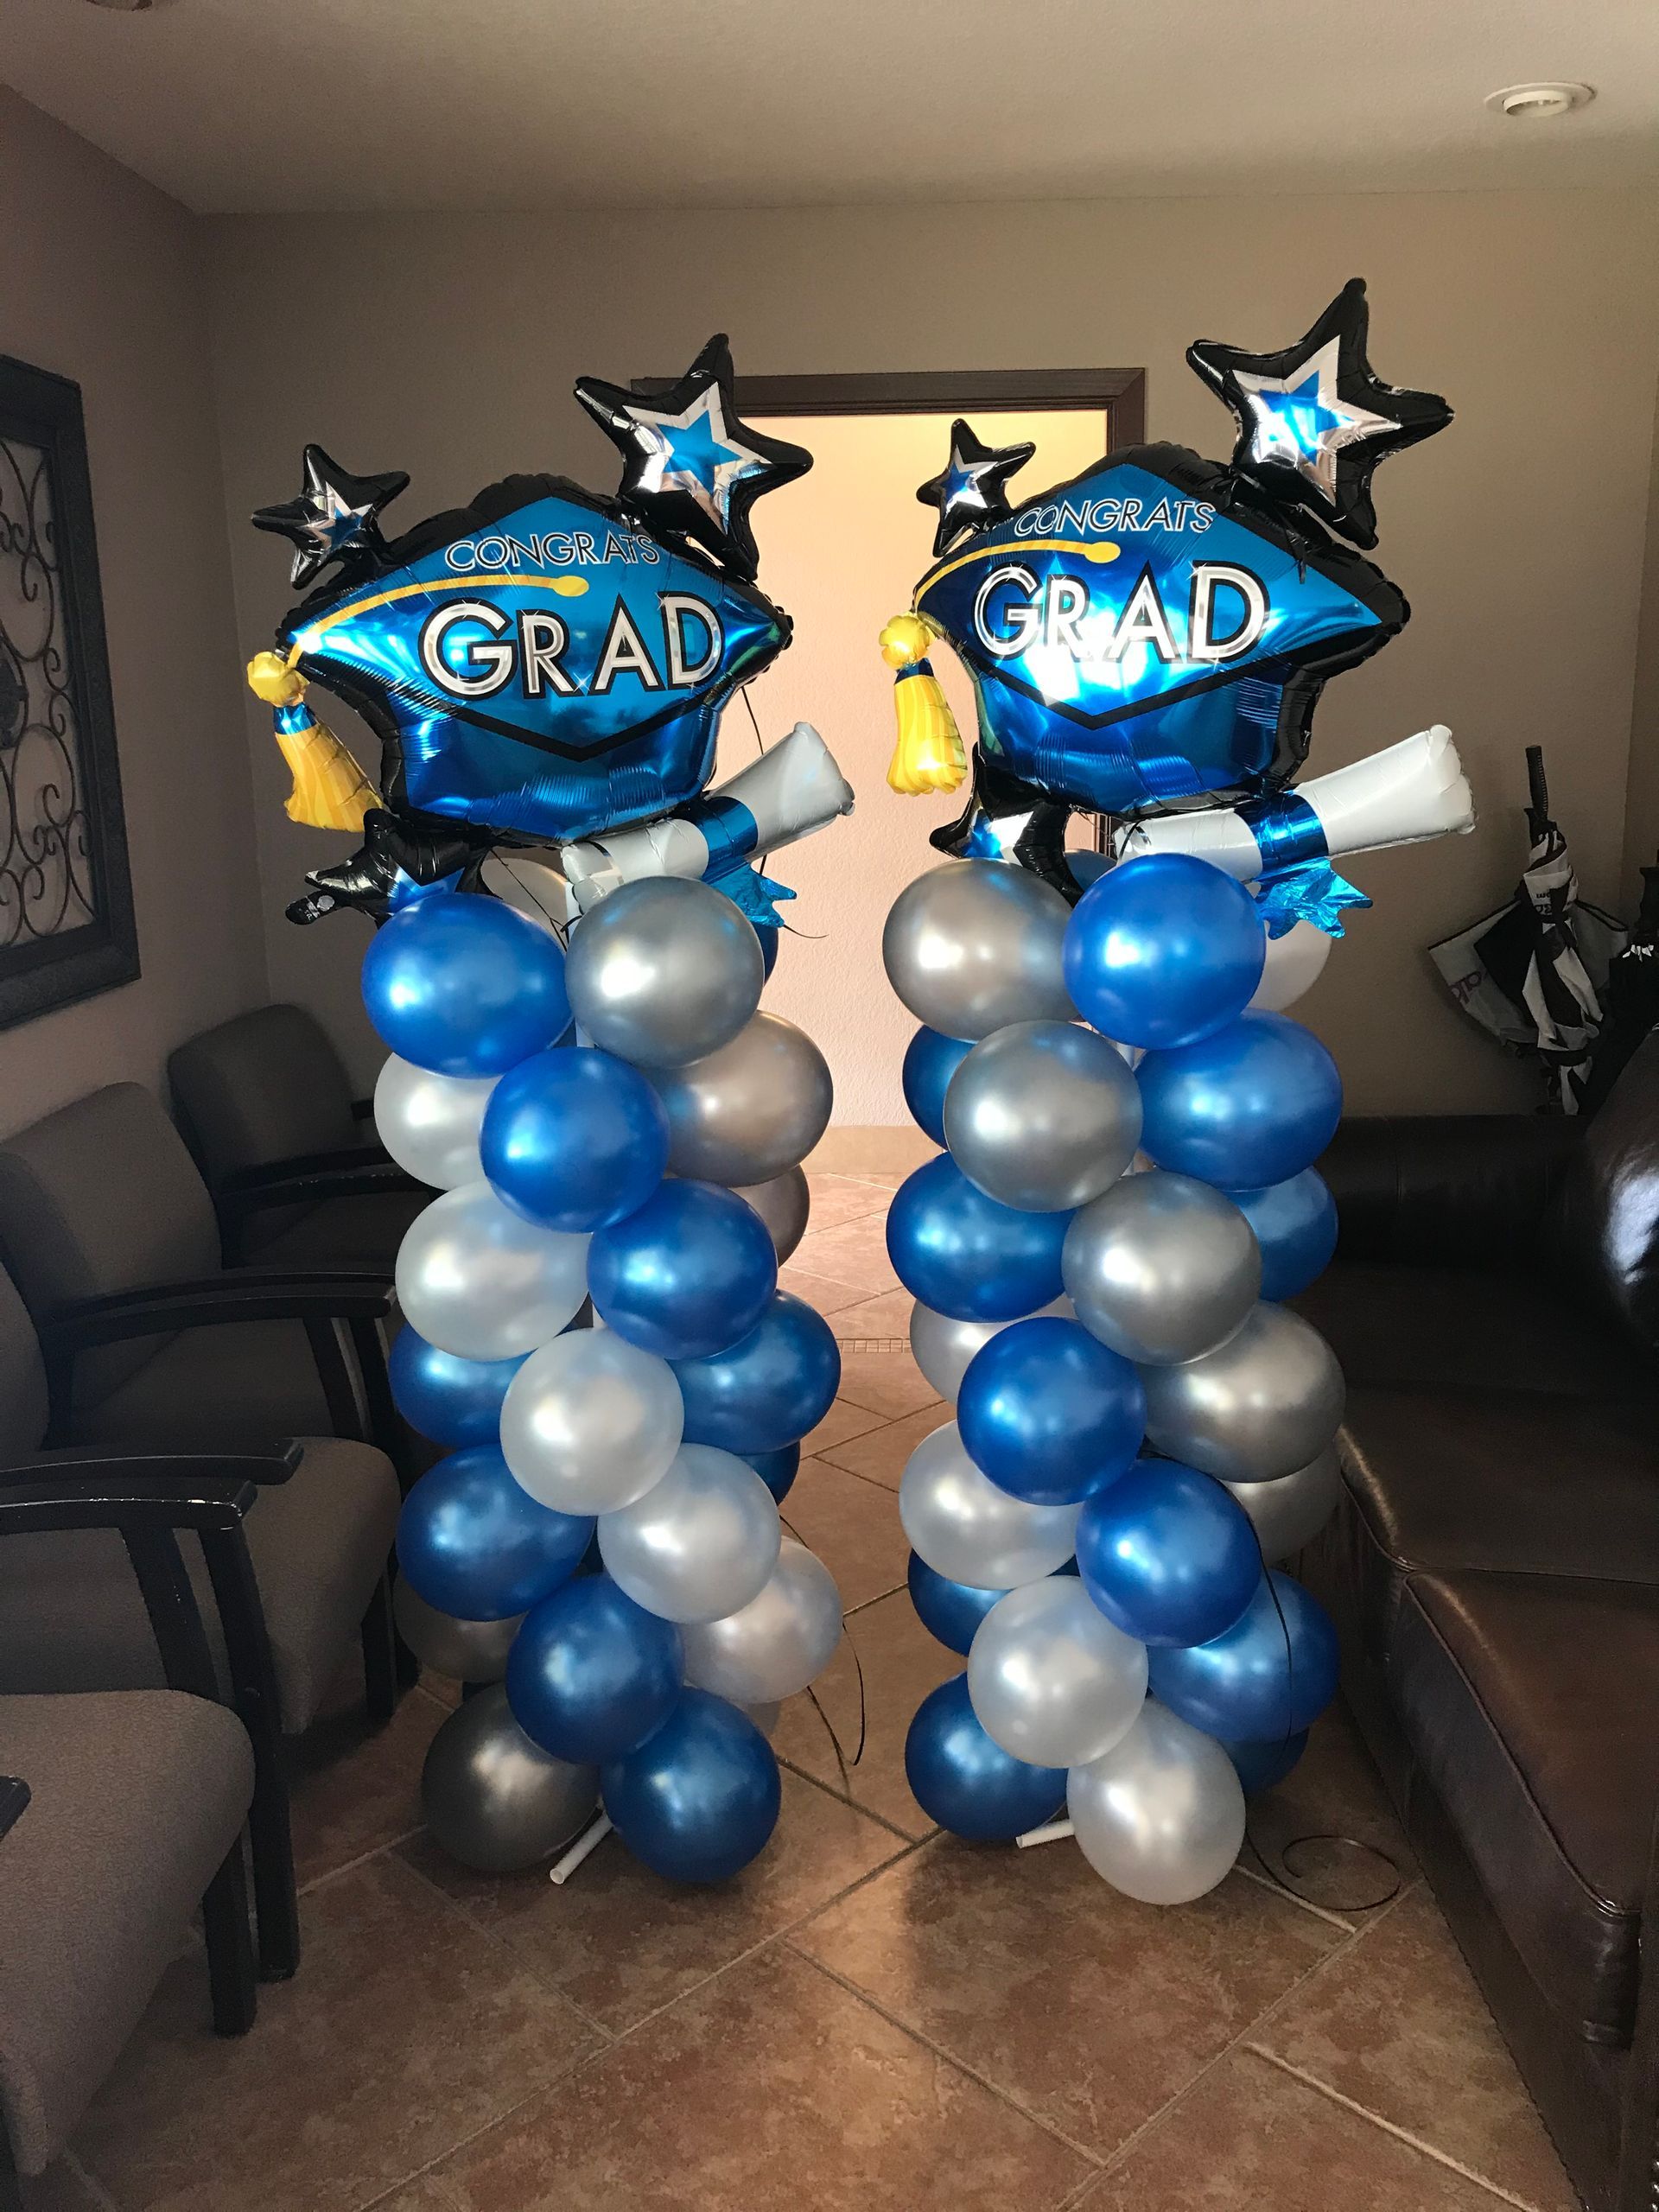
(66, 901)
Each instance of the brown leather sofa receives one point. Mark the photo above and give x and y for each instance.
(1494, 1570)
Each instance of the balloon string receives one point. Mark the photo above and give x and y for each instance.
(841, 1760)
(561, 929)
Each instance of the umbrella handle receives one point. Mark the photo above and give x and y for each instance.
(1537, 788)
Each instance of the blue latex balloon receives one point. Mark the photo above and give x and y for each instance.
(772, 1387)
(1049, 1412)
(452, 1401)
(1259, 1766)
(1163, 949)
(473, 1543)
(1273, 1672)
(700, 1800)
(1167, 1554)
(768, 937)
(950, 1610)
(966, 1782)
(929, 1062)
(1086, 867)
(1295, 1224)
(1253, 1104)
(463, 985)
(690, 1273)
(777, 1470)
(574, 1140)
(591, 1674)
(967, 1256)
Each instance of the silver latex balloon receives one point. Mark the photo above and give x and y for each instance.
(943, 1348)
(1043, 1115)
(477, 1279)
(590, 1422)
(493, 1799)
(1295, 963)
(975, 944)
(1050, 1679)
(1261, 1407)
(429, 1123)
(1162, 1267)
(1290, 1510)
(783, 1205)
(751, 1111)
(778, 1643)
(702, 1544)
(1160, 1815)
(664, 971)
(467, 1652)
(964, 1528)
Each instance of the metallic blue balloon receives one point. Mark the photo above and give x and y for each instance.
(591, 1674)
(574, 1140)
(452, 1401)
(1163, 950)
(1259, 1766)
(769, 936)
(1295, 1224)
(950, 1610)
(968, 1256)
(700, 1799)
(1253, 1104)
(966, 1782)
(473, 1543)
(463, 985)
(1049, 1412)
(690, 1273)
(777, 1470)
(1273, 1672)
(1168, 1556)
(929, 1062)
(772, 1387)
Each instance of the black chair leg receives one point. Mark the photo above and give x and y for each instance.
(275, 1897)
(11, 2187)
(231, 1971)
(380, 1669)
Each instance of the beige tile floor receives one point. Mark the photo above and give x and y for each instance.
(875, 2017)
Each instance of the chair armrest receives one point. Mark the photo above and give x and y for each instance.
(1465, 1190)
(212, 1302)
(362, 1109)
(92, 1469)
(14, 1801)
(309, 1179)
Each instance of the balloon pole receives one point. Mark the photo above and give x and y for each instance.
(588, 1842)
(1051, 1832)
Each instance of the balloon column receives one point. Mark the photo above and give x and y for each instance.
(593, 1329)
(1100, 1257)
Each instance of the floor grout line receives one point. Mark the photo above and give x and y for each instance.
(1390, 2128)
(864, 1603)
(90, 2183)
(844, 1797)
(1279, 1890)
(349, 1865)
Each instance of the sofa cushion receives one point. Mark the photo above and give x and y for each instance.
(1528, 1702)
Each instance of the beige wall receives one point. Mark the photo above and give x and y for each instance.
(101, 280)
(447, 344)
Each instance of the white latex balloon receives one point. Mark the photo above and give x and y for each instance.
(1050, 1679)
(964, 1528)
(429, 1123)
(1160, 1815)
(477, 1279)
(943, 1348)
(590, 1423)
(1295, 963)
(699, 1544)
(778, 1643)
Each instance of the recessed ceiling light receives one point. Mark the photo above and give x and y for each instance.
(1533, 103)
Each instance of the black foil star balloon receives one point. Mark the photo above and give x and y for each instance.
(336, 515)
(1313, 422)
(691, 467)
(970, 491)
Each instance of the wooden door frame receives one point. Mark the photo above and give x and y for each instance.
(1121, 394)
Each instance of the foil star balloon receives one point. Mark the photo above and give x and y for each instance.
(336, 515)
(970, 491)
(1313, 420)
(691, 467)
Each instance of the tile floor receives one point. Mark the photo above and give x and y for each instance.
(873, 2015)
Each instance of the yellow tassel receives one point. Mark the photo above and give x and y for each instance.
(929, 756)
(330, 790)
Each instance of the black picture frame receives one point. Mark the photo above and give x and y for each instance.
(66, 928)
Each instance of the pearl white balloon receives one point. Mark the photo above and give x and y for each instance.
(964, 1528)
(1162, 1815)
(590, 1422)
(942, 1348)
(1295, 963)
(1263, 1406)
(975, 944)
(1290, 1511)
(429, 1123)
(1162, 1267)
(699, 1544)
(1050, 1679)
(783, 1205)
(477, 1279)
(750, 1112)
(778, 1643)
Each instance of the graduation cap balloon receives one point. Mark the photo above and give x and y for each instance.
(543, 665)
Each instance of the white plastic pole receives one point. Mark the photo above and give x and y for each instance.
(593, 1835)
